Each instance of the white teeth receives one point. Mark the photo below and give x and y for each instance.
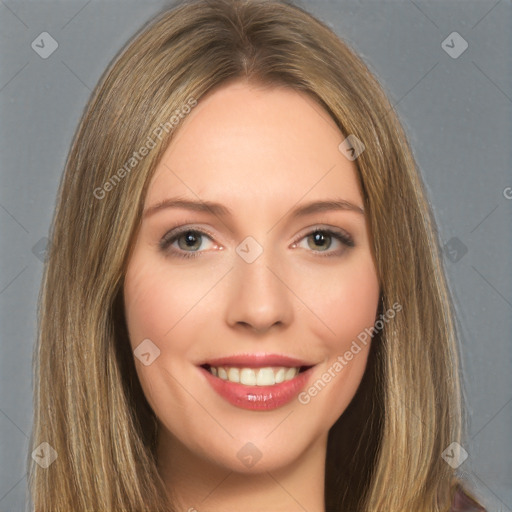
(267, 376)
(234, 375)
(290, 373)
(248, 377)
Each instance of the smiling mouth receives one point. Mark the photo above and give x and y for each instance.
(263, 376)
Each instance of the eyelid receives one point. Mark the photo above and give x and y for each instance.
(343, 234)
(174, 233)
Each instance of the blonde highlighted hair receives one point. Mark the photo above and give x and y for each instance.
(384, 452)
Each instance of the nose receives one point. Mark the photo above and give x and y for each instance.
(258, 296)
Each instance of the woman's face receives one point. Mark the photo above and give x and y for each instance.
(256, 281)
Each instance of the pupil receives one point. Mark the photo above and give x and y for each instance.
(190, 239)
(320, 238)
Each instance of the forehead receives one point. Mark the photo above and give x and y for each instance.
(247, 143)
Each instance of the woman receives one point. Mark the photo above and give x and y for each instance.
(243, 369)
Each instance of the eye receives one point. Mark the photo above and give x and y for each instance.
(189, 241)
(321, 240)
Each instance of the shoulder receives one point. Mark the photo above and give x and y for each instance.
(463, 502)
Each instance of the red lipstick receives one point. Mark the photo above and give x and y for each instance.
(257, 361)
(258, 398)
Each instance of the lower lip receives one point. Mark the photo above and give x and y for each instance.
(258, 398)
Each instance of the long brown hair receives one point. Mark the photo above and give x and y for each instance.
(384, 452)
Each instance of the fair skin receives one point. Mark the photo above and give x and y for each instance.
(261, 152)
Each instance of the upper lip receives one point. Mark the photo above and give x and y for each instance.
(257, 361)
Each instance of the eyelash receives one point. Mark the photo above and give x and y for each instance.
(170, 237)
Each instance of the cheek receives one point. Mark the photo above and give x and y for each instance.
(152, 310)
(344, 301)
(155, 301)
(347, 305)
(144, 299)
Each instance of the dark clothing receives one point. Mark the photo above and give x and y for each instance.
(463, 503)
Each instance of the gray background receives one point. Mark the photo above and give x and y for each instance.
(457, 112)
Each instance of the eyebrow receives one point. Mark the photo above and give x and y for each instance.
(223, 211)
